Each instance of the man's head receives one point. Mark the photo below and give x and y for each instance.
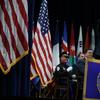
(89, 53)
(64, 57)
(81, 56)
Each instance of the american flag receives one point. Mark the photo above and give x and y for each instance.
(13, 32)
(41, 48)
(33, 72)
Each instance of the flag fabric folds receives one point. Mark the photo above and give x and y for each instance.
(72, 58)
(13, 31)
(33, 72)
(41, 47)
(91, 90)
(80, 42)
(87, 40)
(92, 46)
(64, 39)
(56, 50)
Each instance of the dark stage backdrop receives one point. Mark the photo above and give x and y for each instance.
(78, 12)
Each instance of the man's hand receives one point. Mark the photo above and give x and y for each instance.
(69, 69)
(74, 76)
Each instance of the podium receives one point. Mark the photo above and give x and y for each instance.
(61, 89)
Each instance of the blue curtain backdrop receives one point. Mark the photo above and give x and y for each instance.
(17, 81)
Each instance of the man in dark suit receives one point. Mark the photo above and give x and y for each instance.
(64, 68)
(63, 72)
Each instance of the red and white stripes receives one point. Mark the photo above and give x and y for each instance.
(42, 53)
(13, 32)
